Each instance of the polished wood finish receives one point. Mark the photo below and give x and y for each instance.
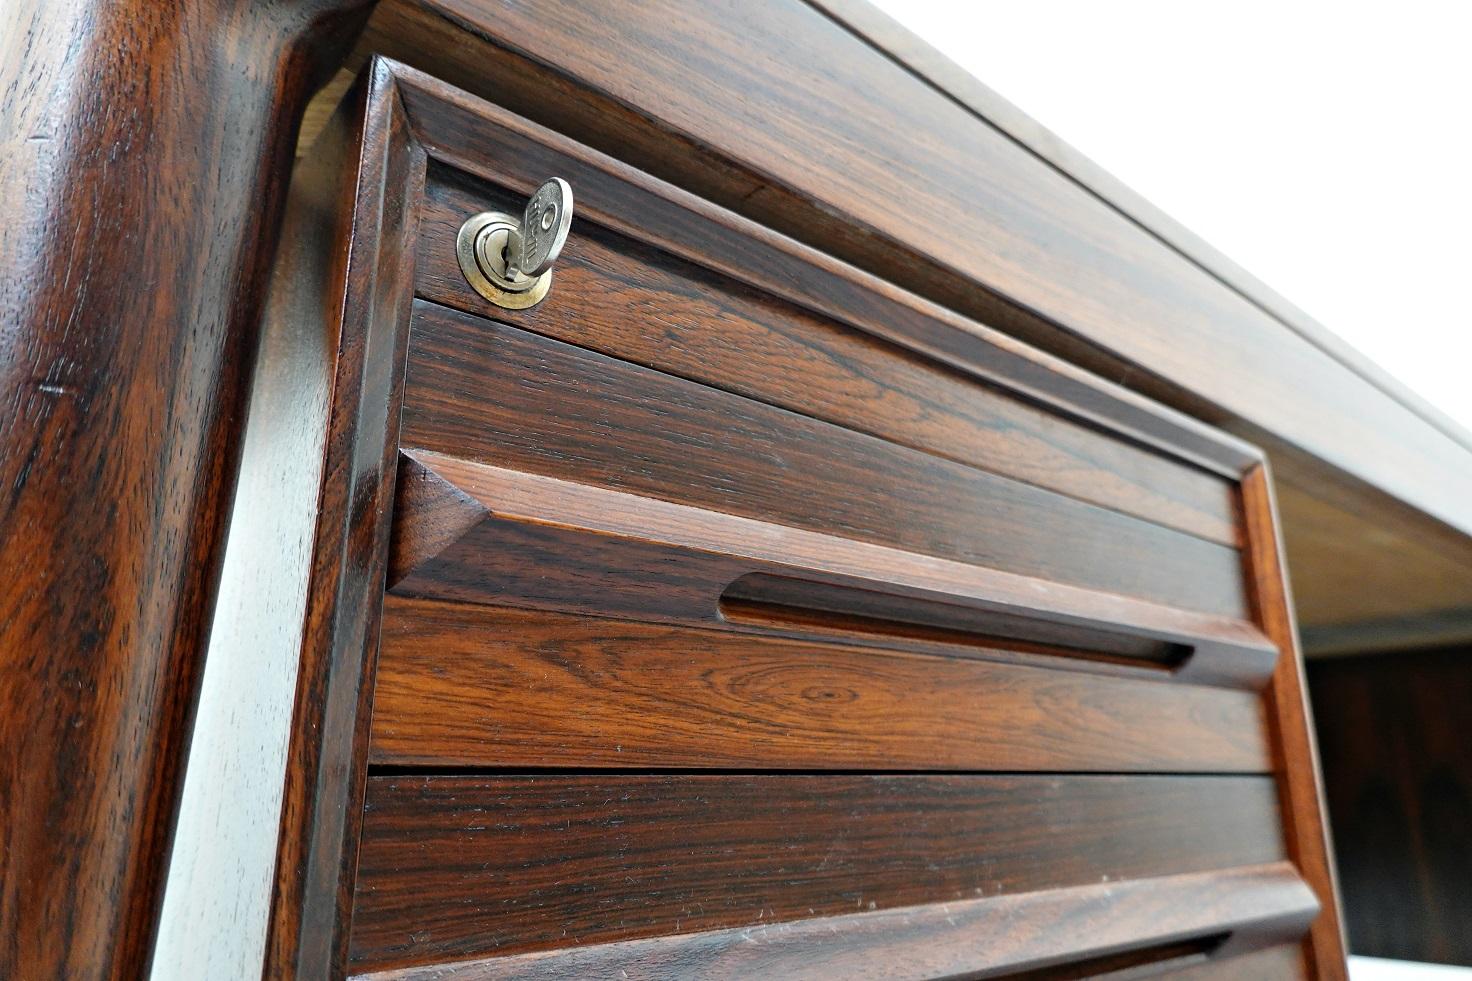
(393, 125)
(485, 141)
(487, 392)
(1393, 736)
(990, 937)
(783, 602)
(745, 105)
(230, 811)
(140, 199)
(1344, 581)
(464, 686)
(1338, 533)
(1015, 519)
(541, 484)
(928, 64)
(452, 867)
(366, 307)
(430, 515)
(624, 298)
(547, 543)
(1298, 761)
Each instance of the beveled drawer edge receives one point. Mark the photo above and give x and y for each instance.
(463, 494)
(1254, 906)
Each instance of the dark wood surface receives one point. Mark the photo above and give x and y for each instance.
(139, 445)
(141, 187)
(744, 105)
(430, 515)
(1281, 963)
(591, 532)
(1398, 773)
(486, 392)
(455, 513)
(891, 37)
(1345, 582)
(795, 603)
(546, 543)
(371, 173)
(620, 297)
(970, 938)
(486, 141)
(542, 501)
(1299, 781)
(462, 686)
(1337, 557)
(452, 867)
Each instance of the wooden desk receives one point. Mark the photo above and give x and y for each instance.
(832, 316)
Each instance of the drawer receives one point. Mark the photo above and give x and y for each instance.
(620, 294)
(472, 686)
(455, 867)
(481, 392)
(731, 589)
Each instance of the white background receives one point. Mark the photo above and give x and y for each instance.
(1324, 147)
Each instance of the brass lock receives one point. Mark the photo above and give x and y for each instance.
(508, 260)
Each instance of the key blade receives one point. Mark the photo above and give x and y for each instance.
(544, 227)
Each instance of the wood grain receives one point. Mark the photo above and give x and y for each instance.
(454, 867)
(365, 309)
(989, 937)
(745, 105)
(430, 515)
(217, 902)
(1398, 777)
(143, 150)
(484, 140)
(557, 545)
(628, 300)
(1342, 580)
(913, 53)
(1300, 785)
(485, 391)
(122, 590)
(462, 686)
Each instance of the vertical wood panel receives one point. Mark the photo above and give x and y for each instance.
(1298, 766)
(1397, 752)
(142, 170)
(368, 318)
(217, 900)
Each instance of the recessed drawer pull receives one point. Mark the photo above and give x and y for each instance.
(477, 533)
(787, 604)
(508, 260)
(1134, 963)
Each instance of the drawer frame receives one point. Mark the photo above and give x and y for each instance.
(361, 189)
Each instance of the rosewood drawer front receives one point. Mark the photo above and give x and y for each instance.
(746, 615)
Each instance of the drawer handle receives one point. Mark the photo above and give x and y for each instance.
(1138, 962)
(484, 534)
(508, 260)
(786, 603)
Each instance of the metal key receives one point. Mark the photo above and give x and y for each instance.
(544, 227)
